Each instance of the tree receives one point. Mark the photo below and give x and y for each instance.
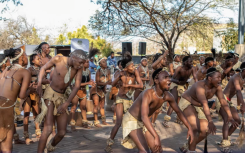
(166, 18)
(229, 36)
(4, 6)
(82, 33)
(19, 31)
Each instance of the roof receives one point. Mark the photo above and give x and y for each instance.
(59, 46)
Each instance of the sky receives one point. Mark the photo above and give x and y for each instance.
(53, 14)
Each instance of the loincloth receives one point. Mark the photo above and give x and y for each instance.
(99, 90)
(191, 83)
(183, 104)
(180, 88)
(7, 117)
(129, 123)
(81, 94)
(55, 97)
(114, 91)
(218, 104)
(127, 103)
(34, 97)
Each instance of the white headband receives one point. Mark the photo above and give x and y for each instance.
(101, 60)
(13, 59)
(143, 59)
(4, 61)
(79, 56)
(175, 56)
(210, 73)
(129, 63)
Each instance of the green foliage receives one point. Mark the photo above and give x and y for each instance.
(229, 36)
(82, 33)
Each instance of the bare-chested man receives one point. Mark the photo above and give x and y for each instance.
(65, 69)
(98, 92)
(194, 104)
(234, 87)
(201, 62)
(160, 61)
(14, 82)
(179, 79)
(129, 77)
(144, 75)
(137, 128)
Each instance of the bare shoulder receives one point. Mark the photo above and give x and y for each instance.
(168, 96)
(148, 92)
(58, 58)
(25, 71)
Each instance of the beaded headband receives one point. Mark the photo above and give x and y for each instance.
(18, 56)
(210, 73)
(4, 61)
(78, 55)
(175, 56)
(101, 59)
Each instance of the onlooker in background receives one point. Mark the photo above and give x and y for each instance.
(92, 66)
(111, 60)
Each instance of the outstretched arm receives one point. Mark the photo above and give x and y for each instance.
(154, 65)
(171, 69)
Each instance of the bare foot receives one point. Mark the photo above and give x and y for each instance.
(104, 123)
(18, 141)
(84, 125)
(73, 129)
(29, 141)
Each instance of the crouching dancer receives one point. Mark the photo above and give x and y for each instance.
(14, 82)
(234, 87)
(137, 128)
(194, 104)
(65, 69)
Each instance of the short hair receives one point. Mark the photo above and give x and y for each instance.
(79, 53)
(229, 57)
(112, 52)
(238, 70)
(211, 71)
(185, 58)
(38, 49)
(232, 70)
(126, 58)
(155, 73)
(32, 57)
(118, 62)
(12, 53)
(242, 67)
(208, 59)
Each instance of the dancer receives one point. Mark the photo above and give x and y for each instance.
(5, 62)
(144, 75)
(234, 87)
(81, 97)
(98, 92)
(129, 77)
(115, 90)
(32, 101)
(181, 75)
(65, 69)
(194, 104)
(14, 82)
(201, 62)
(160, 61)
(202, 71)
(137, 128)
(43, 51)
(176, 63)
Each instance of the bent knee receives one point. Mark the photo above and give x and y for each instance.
(61, 134)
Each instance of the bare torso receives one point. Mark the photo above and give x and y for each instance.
(191, 94)
(59, 72)
(155, 103)
(143, 71)
(183, 75)
(130, 79)
(201, 73)
(230, 89)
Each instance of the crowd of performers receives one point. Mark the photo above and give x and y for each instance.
(138, 97)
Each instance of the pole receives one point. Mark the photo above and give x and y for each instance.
(241, 22)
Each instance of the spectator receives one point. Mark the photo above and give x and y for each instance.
(92, 66)
(111, 61)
